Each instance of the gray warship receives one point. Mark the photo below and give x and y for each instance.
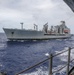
(55, 32)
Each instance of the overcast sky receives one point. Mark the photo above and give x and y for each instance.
(12, 12)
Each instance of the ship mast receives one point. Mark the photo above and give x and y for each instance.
(21, 25)
(35, 27)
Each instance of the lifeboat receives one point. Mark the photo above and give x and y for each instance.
(66, 31)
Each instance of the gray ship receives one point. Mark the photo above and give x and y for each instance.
(55, 32)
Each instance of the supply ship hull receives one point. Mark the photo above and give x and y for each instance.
(22, 34)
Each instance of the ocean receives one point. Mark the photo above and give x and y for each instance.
(16, 56)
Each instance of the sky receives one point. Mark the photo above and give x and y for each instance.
(30, 12)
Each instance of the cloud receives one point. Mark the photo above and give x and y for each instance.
(13, 14)
(33, 11)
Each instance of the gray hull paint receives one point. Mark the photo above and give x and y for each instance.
(18, 34)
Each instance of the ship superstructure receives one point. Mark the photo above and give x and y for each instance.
(59, 29)
(55, 32)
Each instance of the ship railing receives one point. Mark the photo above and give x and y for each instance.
(50, 58)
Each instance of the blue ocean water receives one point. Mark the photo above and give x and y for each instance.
(17, 56)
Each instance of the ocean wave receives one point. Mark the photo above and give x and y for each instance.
(42, 72)
(2, 46)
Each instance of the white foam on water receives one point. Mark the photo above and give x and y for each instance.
(2, 46)
(38, 72)
(63, 56)
(41, 72)
(1, 65)
(47, 54)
